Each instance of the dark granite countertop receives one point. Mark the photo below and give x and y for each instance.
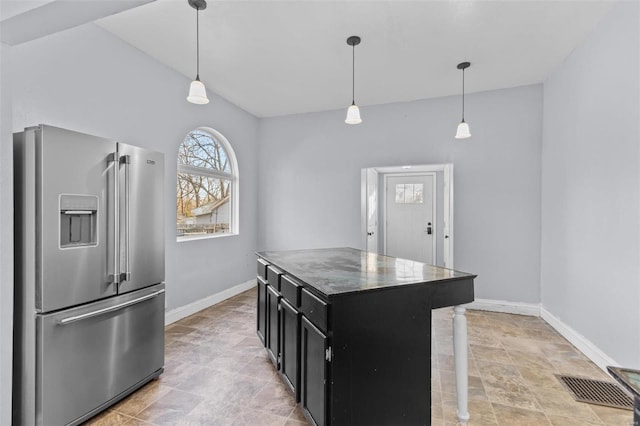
(335, 271)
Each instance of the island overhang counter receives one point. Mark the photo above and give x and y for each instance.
(350, 331)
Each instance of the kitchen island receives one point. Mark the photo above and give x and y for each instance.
(350, 331)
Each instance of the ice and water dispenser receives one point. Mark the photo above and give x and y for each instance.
(78, 220)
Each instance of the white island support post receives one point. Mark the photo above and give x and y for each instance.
(461, 361)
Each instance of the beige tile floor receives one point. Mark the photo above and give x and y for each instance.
(217, 373)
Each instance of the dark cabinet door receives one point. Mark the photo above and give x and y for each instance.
(262, 310)
(290, 346)
(314, 358)
(273, 324)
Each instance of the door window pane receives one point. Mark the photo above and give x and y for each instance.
(409, 193)
(399, 193)
(418, 190)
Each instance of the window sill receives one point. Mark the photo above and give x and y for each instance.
(204, 237)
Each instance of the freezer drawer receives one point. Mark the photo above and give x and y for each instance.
(89, 355)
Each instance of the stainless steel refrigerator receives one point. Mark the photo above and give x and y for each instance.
(89, 274)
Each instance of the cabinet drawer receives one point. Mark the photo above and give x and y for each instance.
(262, 268)
(314, 309)
(290, 290)
(273, 276)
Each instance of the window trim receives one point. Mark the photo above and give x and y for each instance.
(233, 177)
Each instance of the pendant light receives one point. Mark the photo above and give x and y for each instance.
(463, 128)
(197, 91)
(353, 113)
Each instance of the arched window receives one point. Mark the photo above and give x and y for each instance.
(207, 194)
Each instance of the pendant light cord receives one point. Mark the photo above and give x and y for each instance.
(353, 75)
(463, 95)
(198, 44)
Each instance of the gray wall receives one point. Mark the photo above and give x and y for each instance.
(88, 80)
(590, 197)
(6, 237)
(309, 189)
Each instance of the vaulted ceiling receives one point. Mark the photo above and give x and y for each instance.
(282, 57)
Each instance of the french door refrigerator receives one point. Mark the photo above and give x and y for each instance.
(89, 274)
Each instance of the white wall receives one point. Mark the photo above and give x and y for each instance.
(88, 80)
(309, 189)
(591, 188)
(6, 237)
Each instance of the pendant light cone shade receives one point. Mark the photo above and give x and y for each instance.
(197, 91)
(463, 128)
(463, 131)
(353, 113)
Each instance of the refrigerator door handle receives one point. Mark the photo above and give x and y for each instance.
(113, 308)
(115, 277)
(126, 160)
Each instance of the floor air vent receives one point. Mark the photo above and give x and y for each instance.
(596, 392)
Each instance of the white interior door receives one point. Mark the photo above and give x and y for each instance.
(447, 206)
(410, 217)
(372, 211)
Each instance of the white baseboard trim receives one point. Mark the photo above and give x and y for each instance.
(190, 309)
(519, 308)
(584, 345)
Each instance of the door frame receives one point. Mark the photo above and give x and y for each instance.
(434, 210)
(447, 231)
(364, 206)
